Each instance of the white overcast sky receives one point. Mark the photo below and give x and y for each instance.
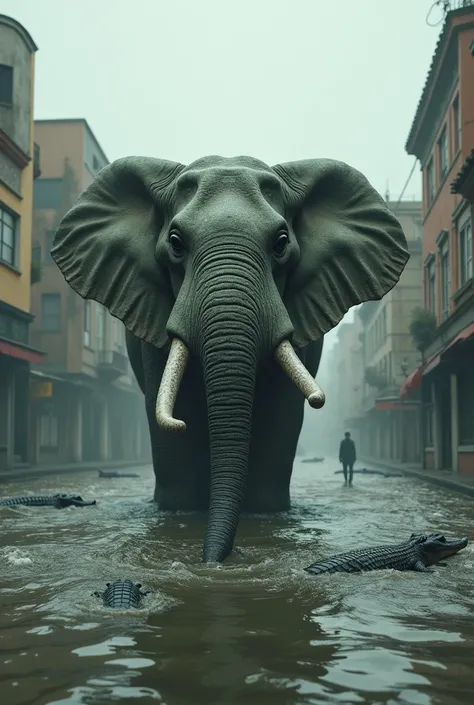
(275, 79)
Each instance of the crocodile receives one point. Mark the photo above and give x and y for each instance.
(60, 501)
(122, 594)
(417, 553)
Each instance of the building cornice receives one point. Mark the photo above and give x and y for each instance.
(19, 29)
(12, 150)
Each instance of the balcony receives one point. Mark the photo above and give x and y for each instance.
(36, 161)
(112, 365)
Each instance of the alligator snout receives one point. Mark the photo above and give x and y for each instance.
(437, 547)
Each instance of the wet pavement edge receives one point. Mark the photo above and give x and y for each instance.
(457, 482)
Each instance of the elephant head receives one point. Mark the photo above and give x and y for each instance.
(230, 261)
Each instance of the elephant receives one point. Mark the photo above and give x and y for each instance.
(226, 274)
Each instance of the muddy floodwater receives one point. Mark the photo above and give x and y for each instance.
(259, 629)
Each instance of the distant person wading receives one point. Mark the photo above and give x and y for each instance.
(347, 456)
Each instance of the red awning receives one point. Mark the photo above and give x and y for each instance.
(434, 362)
(20, 353)
(461, 337)
(412, 382)
(392, 405)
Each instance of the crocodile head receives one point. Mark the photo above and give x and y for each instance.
(435, 547)
(71, 500)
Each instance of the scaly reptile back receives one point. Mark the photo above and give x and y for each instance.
(399, 557)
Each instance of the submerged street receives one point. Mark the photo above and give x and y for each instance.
(257, 630)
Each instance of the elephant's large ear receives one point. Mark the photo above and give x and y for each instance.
(353, 249)
(105, 245)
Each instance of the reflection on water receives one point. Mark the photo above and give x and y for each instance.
(256, 630)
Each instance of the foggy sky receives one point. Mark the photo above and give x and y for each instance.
(275, 79)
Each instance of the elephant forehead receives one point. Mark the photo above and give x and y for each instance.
(229, 187)
(240, 161)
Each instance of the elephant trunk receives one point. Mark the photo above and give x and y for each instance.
(230, 345)
(237, 320)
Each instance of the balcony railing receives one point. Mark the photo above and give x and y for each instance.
(36, 161)
(112, 363)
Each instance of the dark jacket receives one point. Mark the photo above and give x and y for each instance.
(347, 451)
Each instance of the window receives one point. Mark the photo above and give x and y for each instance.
(87, 324)
(49, 237)
(95, 163)
(431, 285)
(456, 126)
(6, 84)
(430, 183)
(444, 274)
(100, 318)
(48, 430)
(465, 253)
(51, 312)
(8, 232)
(443, 153)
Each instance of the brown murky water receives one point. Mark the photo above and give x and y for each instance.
(259, 629)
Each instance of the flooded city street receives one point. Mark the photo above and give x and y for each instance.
(259, 629)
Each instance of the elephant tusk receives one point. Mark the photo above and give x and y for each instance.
(297, 372)
(173, 374)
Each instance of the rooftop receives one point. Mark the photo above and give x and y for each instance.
(26, 36)
(457, 8)
(77, 121)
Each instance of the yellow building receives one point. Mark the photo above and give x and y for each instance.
(19, 164)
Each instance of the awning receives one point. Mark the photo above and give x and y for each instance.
(21, 352)
(460, 338)
(412, 382)
(45, 375)
(431, 365)
(393, 405)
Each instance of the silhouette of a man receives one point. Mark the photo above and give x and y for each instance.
(347, 456)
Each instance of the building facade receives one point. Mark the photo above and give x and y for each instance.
(388, 428)
(338, 384)
(442, 138)
(86, 404)
(19, 164)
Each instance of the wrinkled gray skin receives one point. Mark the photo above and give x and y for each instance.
(232, 257)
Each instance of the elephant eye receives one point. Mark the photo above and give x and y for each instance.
(280, 244)
(176, 243)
